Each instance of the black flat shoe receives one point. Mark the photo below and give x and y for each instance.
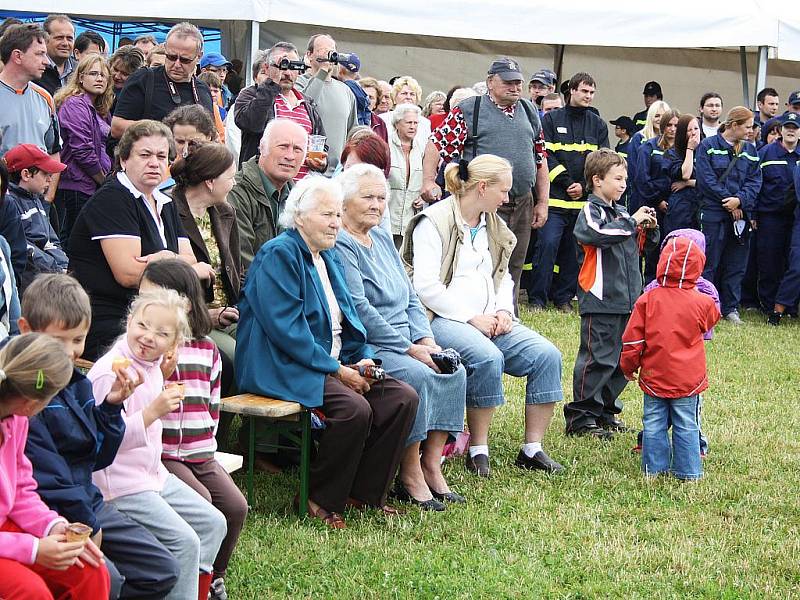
(403, 495)
(478, 464)
(614, 425)
(449, 497)
(538, 462)
(591, 431)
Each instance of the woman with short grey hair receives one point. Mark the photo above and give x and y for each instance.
(405, 175)
(300, 339)
(398, 329)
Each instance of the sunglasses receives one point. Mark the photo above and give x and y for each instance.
(183, 60)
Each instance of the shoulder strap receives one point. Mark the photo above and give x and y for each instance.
(476, 109)
(149, 85)
(728, 169)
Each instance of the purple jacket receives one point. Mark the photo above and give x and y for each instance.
(704, 286)
(84, 133)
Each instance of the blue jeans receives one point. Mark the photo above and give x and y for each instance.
(682, 456)
(520, 353)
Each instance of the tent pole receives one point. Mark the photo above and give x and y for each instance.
(745, 78)
(558, 61)
(761, 73)
(255, 35)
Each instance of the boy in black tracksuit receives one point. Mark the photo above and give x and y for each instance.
(609, 241)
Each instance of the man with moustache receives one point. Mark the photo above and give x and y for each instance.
(502, 123)
(274, 95)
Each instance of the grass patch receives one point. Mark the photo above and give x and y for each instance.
(599, 530)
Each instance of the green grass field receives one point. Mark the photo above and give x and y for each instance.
(599, 530)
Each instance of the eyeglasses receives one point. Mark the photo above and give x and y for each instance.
(94, 74)
(183, 59)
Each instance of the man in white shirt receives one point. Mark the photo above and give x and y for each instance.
(710, 111)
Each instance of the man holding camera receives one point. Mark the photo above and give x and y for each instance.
(274, 95)
(335, 102)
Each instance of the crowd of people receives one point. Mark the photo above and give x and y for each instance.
(352, 244)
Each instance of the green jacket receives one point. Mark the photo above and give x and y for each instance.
(255, 216)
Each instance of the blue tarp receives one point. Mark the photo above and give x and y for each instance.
(112, 31)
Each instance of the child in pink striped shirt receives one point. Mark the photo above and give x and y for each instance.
(188, 435)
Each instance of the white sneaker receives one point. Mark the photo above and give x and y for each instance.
(733, 317)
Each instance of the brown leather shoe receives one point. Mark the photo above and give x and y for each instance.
(386, 509)
(331, 519)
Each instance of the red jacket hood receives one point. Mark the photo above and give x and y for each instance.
(681, 264)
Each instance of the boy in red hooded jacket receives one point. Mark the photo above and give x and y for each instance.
(664, 342)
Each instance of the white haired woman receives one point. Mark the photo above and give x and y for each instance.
(405, 175)
(300, 339)
(398, 329)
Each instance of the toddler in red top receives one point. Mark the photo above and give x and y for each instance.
(664, 342)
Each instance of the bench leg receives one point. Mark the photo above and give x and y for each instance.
(305, 460)
(251, 460)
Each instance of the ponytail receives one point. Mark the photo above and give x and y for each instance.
(33, 366)
(461, 176)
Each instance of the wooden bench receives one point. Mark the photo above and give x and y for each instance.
(280, 417)
(229, 462)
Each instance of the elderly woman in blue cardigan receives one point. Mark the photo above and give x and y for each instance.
(399, 331)
(300, 339)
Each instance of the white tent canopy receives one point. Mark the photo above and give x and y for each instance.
(624, 23)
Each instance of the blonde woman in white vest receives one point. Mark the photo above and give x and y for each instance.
(457, 252)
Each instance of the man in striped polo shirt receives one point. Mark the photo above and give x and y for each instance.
(274, 95)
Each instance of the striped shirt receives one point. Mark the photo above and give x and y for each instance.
(299, 115)
(189, 431)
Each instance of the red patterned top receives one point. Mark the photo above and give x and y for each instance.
(299, 115)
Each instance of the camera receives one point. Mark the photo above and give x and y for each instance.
(291, 65)
(336, 58)
(372, 372)
(448, 360)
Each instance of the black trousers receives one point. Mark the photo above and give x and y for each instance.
(362, 443)
(136, 560)
(597, 380)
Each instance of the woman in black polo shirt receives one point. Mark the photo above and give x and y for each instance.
(126, 224)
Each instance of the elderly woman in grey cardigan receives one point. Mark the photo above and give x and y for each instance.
(399, 332)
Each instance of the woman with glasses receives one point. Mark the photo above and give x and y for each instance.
(84, 113)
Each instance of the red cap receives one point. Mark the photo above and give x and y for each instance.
(26, 156)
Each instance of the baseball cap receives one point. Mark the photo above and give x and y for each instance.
(625, 123)
(790, 119)
(352, 64)
(545, 76)
(26, 156)
(214, 59)
(507, 68)
(794, 98)
(652, 88)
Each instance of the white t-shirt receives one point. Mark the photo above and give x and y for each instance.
(333, 307)
(471, 290)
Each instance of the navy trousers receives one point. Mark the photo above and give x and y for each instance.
(139, 563)
(774, 235)
(789, 289)
(555, 244)
(726, 260)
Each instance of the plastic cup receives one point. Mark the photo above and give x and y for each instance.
(316, 147)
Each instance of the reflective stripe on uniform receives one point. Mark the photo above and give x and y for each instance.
(774, 162)
(571, 204)
(556, 146)
(557, 171)
(715, 151)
